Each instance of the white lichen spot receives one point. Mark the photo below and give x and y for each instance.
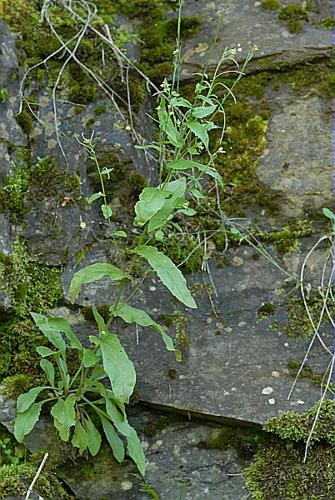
(275, 374)
(286, 344)
(126, 485)
(52, 143)
(152, 288)
(272, 401)
(237, 261)
(242, 324)
(267, 390)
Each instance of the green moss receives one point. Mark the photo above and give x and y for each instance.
(293, 15)
(287, 239)
(308, 373)
(279, 470)
(13, 192)
(18, 357)
(266, 310)
(24, 119)
(178, 321)
(244, 141)
(270, 4)
(298, 324)
(31, 286)
(297, 426)
(245, 440)
(100, 109)
(15, 479)
(328, 23)
(184, 251)
(3, 95)
(17, 384)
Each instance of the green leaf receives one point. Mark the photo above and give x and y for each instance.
(24, 401)
(92, 273)
(117, 365)
(49, 370)
(186, 164)
(199, 130)
(26, 421)
(62, 325)
(203, 111)
(167, 126)
(135, 451)
(180, 102)
(131, 314)
(100, 321)
(113, 439)
(89, 358)
(169, 274)
(151, 200)
(177, 190)
(80, 438)
(329, 214)
(107, 211)
(52, 335)
(119, 419)
(64, 415)
(45, 351)
(93, 438)
(119, 234)
(94, 197)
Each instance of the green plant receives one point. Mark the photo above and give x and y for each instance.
(79, 403)
(10, 452)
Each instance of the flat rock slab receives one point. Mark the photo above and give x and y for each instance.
(235, 366)
(247, 24)
(178, 467)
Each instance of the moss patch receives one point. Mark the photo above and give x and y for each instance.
(293, 15)
(31, 286)
(298, 325)
(279, 471)
(270, 4)
(15, 480)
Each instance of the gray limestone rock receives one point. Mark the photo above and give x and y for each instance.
(245, 25)
(297, 164)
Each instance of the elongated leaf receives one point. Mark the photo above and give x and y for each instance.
(119, 420)
(100, 321)
(167, 126)
(113, 439)
(328, 213)
(80, 438)
(186, 164)
(169, 274)
(151, 200)
(49, 370)
(52, 335)
(94, 197)
(26, 421)
(117, 365)
(131, 314)
(203, 111)
(199, 131)
(62, 325)
(180, 102)
(63, 413)
(177, 189)
(93, 438)
(24, 401)
(94, 272)
(135, 451)
(44, 352)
